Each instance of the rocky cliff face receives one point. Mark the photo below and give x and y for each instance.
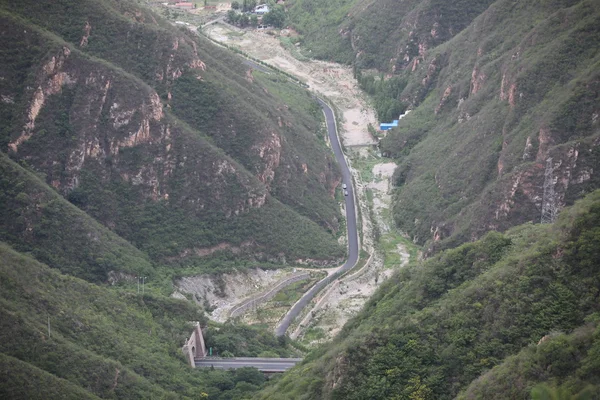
(109, 120)
(411, 29)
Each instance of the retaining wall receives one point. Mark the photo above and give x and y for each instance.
(253, 302)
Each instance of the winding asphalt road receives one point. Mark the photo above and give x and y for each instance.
(350, 223)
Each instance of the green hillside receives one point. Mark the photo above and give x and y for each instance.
(20, 380)
(382, 34)
(568, 364)
(495, 89)
(37, 220)
(164, 138)
(434, 328)
(321, 25)
(502, 131)
(491, 106)
(130, 146)
(79, 340)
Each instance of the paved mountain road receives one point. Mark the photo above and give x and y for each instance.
(350, 223)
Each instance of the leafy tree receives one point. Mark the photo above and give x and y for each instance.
(232, 17)
(253, 20)
(275, 17)
(244, 20)
(227, 354)
(235, 5)
(250, 375)
(248, 5)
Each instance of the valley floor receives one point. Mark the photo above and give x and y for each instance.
(383, 248)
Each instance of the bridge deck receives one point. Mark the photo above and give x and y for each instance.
(262, 364)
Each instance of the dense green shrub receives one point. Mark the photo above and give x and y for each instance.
(434, 328)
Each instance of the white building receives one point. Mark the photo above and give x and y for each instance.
(261, 9)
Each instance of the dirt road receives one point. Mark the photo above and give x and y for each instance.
(332, 80)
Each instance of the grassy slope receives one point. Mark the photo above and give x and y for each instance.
(378, 34)
(435, 327)
(105, 342)
(91, 328)
(36, 219)
(385, 31)
(320, 23)
(21, 380)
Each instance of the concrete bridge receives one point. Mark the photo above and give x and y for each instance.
(195, 352)
(268, 365)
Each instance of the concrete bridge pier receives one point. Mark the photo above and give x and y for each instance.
(194, 347)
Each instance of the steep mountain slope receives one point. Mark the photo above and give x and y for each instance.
(26, 380)
(37, 220)
(496, 89)
(62, 337)
(434, 328)
(383, 34)
(163, 137)
(504, 126)
(571, 360)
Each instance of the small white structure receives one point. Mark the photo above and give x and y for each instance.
(261, 9)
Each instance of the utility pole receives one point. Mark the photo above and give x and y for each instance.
(138, 284)
(48, 326)
(143, 282)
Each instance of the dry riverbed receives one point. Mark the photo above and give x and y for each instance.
(332, 80)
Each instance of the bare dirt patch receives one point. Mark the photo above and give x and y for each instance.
(332, 80)
(380, 186)
(224, 291)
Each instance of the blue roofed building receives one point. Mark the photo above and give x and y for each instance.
(388, 125)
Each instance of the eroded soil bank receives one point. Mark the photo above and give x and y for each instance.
(219, 293)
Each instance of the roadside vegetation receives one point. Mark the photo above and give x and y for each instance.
(268, 314)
